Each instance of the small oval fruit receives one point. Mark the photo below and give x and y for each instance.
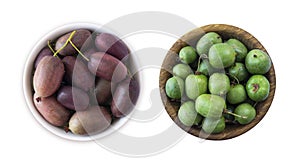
(48, 76)
(218, 84)
(258, 88)
(182, 70)
(77, 73)
(236, 94)
(174, 87)
(206, 41)
(73, 98)
(94, 120)
(125, 97)
(239, 71)
(214, 126)
(187, 114)
(195, 85)
(258, 62)
(187, 55)
(79, 38)
(239, 48)
(210, 106)
(221, 55)
(111, 44)
(52, 111)
(107, 67)
(247, 113)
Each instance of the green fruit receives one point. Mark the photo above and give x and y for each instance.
(195, 85)
(239, 48)
(210, 106)
(210, 125)
(236, 94)
(258, 87)
(205, 68)
(187, 114)
(175, 87)
(182, 70)
(246, 112)
(187, 55)
(221, 55)
(239, 71)
(218, 84)
(258, 62)
(206, 41)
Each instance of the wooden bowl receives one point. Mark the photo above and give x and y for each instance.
(191, 38)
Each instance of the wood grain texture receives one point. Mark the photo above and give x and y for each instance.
(191, 38)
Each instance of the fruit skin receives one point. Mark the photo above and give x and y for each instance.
(174, 87)
(236, 94)
(103, 91)
(52, 111)
(187, 114)
(218, 84)
(206, 41)
(258, 62)
(48, 76)
(221, 55)
(112, 45)
(182, 70)
(77, 73)
(125, 97)
(44, 52)
(187, 55)
(239, 48)
(73, 98)
(245, 110)
(195, 85)
(210, 106)
(107, 67)
(239, 71)
(79, 39)
(92, 121)
(258, 88)
(210, 125)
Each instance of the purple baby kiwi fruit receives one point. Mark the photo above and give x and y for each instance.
(107, 67)
(103, 91)
(111, 44)
(48, 76)
(52, 111)
(79, 38)
(125, 97)
(73, 98)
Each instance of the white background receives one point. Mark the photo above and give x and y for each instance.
(274, 140)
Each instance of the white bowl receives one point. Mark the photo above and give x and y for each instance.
(28, 88)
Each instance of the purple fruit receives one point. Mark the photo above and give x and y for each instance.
(107, 67)
(44, 52)
(48, 76)
(111, 44)
(52, 110)
(125, 97)
(73, 98)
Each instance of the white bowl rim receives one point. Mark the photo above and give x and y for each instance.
(27, 79)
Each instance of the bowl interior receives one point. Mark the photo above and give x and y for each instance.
(28, 88)
(191, 38)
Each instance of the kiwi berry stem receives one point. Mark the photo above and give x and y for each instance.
(234, 77)
(233, 114)
(50, 47)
